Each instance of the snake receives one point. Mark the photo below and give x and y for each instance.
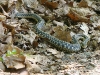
(74, 46)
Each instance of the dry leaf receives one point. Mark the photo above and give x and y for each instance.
(84, 3)
(9, 38)
(31, 37)
(62, 34)
(11, 2)
(2, 39)
(32, 60)
(30, 3)
(85, 28)
(2, 30)
(80, 14)
(34, 68)
(53, 51)
(2, 18)
(97, 28)
(35, 42)
(58, 23)
(70, 3)
(10, 28)
(56, 53)
(3, 2)
(2, 67)
(14, 57)
(51, 5)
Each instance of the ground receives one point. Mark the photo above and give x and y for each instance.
(23, 52)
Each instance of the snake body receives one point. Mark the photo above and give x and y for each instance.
(66, 46)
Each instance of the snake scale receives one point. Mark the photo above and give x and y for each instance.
(75, 46)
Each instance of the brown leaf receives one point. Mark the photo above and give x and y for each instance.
(97, 28)
(11, 28)
(43, 1)
(62, 34)
(75, 16)
(51, 5)
(35, 42)
(70, 3)
(83, 3)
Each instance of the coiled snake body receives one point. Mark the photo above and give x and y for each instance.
(66, 46)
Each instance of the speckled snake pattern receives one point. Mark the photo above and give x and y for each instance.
(75, 46)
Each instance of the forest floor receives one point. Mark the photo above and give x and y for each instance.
(23, 52)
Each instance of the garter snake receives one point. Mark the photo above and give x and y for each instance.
(75, 46)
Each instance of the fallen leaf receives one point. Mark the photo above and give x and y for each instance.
(14, 57)
(2, 30)
(2, 18)
(85, 28)
(77, 16)
(11, 2)
(62, 34)
(51, 5)
(34, 68)
(53, 51)
(3, 2)
(9, 39)
(2, 67)
(85, 3)
(35, 43)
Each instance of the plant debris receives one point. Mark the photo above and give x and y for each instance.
(23, 52)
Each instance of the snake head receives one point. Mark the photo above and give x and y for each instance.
(81, 39)
(84, 42)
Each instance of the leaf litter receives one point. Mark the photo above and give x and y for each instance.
(63, 19)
